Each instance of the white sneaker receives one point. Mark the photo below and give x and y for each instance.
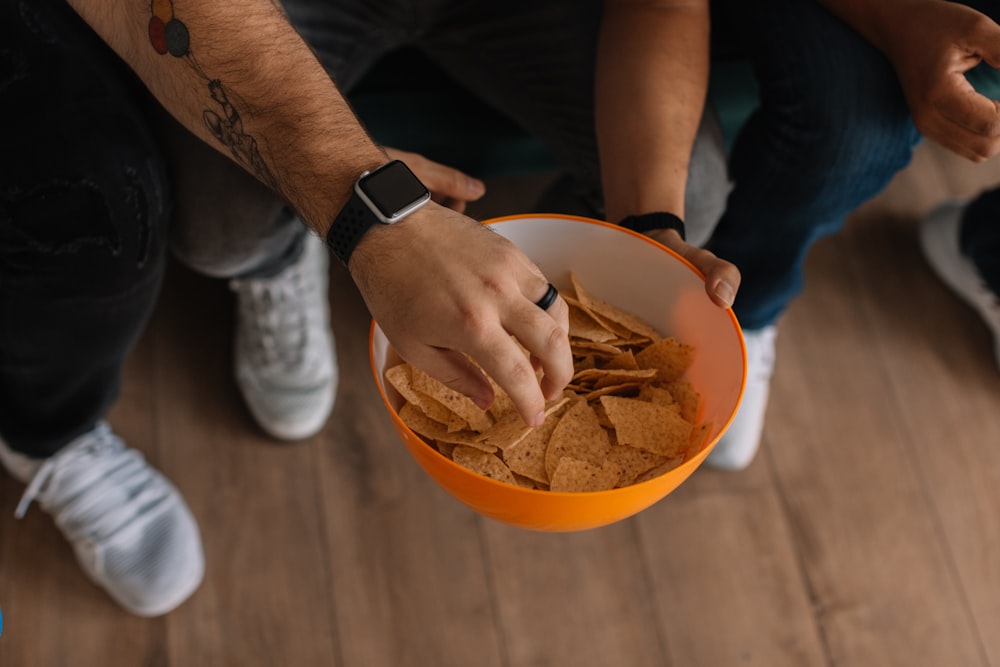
(939, 240)
(285, 361)
(738, 445)
(132, 532)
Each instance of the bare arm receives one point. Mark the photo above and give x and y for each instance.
(440, 285)
(652, 79)
(239, 77)
(932, 44)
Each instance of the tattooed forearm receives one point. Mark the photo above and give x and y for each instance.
(169, 35)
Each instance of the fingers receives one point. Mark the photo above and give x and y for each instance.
(946, 107)
(963, 120)
(722, 278)
(984, 40)
(500, 350)
(544, 333)
(959, 140)
(473, 300)
(504, 360)
(455, 371)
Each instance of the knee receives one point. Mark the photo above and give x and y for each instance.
(89, 225)
(844, 135)
(871, 137)
(831, 103)
(225, 223)
(235, 242)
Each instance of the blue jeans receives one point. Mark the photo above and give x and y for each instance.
(831, 131)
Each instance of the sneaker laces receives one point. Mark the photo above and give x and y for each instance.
(94, 487)
(276, 315)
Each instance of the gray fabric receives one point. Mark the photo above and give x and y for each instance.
(708, 183)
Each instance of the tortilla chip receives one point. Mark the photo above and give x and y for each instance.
(687, 398)
(598, 308)
(670, 358)
(654, 428)
(657, 395)
(423, 425)
(578, 435)
(661, 469)
(574, 476)
(401, 378)
(485, 464)
(583, 326)
(460, 404)
(624, 361)
(633, 462)
(527, 457)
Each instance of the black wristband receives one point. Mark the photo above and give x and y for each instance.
(350, 225)
(650, 221)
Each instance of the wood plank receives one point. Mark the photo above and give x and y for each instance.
(580, 598)
(726, 576)
(944, 377)
(856, 499)
(263, 600)
(408, 577)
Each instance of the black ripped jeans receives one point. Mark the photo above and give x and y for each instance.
(87, 194)
(83, 220)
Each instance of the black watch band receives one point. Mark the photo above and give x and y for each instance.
(348, 228)
(383, 196)
(650, 221)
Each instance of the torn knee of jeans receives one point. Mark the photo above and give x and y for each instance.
(60, 217)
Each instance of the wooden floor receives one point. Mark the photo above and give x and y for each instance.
(865, 534)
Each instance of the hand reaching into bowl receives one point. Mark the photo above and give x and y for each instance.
(443, 286)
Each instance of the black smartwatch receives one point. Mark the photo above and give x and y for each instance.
(384, 196)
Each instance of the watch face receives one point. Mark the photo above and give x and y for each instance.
(393, 189)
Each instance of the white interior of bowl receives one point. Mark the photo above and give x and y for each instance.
(639, 275)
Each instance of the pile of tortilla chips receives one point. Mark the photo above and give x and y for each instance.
(627, 416)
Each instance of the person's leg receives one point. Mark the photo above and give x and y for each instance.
(980, 236)
(225, 223)
(83, 215)
(84, 206)
(228, 225)
(248, 232)
(534, 61)
(832, 130)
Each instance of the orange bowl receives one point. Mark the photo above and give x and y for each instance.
(632, 272)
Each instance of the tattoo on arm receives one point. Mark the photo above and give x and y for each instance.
(168, 34)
